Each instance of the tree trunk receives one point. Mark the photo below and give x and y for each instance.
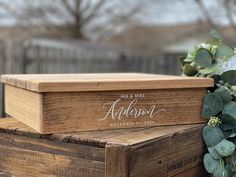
(78, 32)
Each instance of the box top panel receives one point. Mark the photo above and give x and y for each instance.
(100, 82)
(100, 138)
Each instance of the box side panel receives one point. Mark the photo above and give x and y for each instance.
(79, 111)
(117, 160)
(197, 171)
(24, 105)
(168, 156)
(27, 157)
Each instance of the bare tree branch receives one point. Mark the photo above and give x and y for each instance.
(229, 14)
(79, 17)
(71, 10)
(206, 14)
(94, 12)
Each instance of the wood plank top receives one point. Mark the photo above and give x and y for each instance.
(98, 138)
(102, 81)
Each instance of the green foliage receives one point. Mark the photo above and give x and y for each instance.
(229, 77)
(219, 104)
(225, 148)
(212, 135)
(224, 51)
(189, 70)
(208, 70)
(230, 109)
(203, 58)
(220, 172)
(214, 153)
(210, 163)
(215, 34)
(225, 118)
(225, 94)
(212, 105)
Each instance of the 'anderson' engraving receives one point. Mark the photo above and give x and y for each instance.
(118, 112)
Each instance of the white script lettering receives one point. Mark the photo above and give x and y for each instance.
(117, 112)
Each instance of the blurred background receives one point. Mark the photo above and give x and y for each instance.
(78, 36)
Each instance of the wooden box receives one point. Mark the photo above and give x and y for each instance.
(79, 102)
(170, 151)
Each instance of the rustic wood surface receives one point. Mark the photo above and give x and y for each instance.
(99, 82)
(24, 104)
(170, 151)
(82, 111)
(96, 138)
(23, 156)
(167, 155)
(197, 171)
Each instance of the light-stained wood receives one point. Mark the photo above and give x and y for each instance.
(24, 104)
(62, 112)
(102, 82)
(152, 152)
(61, 103)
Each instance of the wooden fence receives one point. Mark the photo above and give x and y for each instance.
(52, 56)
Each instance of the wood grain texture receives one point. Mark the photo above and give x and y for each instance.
(140, 152)
(24, 104)
(98, 138)
(24, 157)
(168, 155)
(82, 111)
(68, 112)
(197, 171)
(102, 82)
(117, 160)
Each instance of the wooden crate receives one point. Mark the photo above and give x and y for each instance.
(170, 151)
(81, 102)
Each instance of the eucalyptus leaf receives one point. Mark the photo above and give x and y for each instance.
(216, 78)
(212, 135)
(225, 148)
(230, 109)
(220, 172)
(227, 133)
(189, 70)
(215, 42)
(234, 156)
(225, 118)
(203, 58)
(215, 34)
(233, 162)
(229, 171)
(208, 70)
(224, 94)
(229, 77)
(226, 127)
(210, 164)
(226, 64)
(232, 135)
(224, 51)
(212, 105)
(188, 60)
(214, 153)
